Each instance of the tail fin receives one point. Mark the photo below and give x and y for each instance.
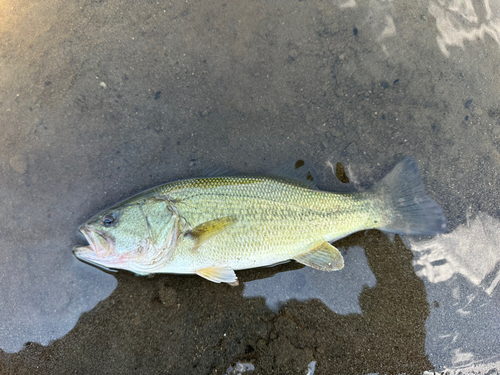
(413, 212)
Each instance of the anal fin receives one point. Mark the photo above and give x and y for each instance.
(324, 257)
(219, 275)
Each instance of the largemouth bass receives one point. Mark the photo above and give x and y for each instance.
(213, 226)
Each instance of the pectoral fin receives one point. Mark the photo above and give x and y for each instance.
(203, 232)
(219, 275)
(324, 257)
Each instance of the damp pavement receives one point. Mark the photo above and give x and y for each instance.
(100, 100)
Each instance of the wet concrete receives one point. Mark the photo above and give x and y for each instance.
(102, 99)
(178, 325)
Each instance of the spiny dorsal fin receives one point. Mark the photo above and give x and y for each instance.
(222, 274)
(324, 257)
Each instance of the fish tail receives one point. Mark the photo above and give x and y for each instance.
(407, 208)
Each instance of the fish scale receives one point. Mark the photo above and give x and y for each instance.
(276, 220)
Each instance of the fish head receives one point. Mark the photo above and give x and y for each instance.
(135, 237)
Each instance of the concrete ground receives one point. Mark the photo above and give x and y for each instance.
(100, 100)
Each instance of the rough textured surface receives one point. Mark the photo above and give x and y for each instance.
(102, 99)
(179, 325)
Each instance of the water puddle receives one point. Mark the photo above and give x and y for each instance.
(337, 290)
(45, 290)
(461, 271)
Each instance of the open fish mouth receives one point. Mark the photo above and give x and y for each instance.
(99, 251)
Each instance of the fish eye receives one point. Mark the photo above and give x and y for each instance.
(108, 219)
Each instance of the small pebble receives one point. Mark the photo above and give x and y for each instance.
(19, 163)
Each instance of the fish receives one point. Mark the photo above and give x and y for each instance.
(212, 226)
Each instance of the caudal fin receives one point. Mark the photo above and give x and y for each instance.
(411, 211)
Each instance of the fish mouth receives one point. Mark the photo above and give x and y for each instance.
(99, 251)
